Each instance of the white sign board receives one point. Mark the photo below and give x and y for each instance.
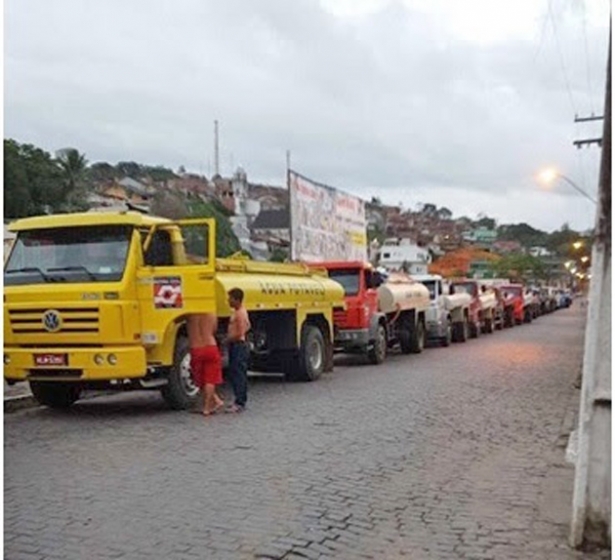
(326, 224)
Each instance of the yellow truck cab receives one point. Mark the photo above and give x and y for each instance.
(100, 300)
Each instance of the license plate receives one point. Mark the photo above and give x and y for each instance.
(51, 359)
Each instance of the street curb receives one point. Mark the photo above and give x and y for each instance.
(13, 404)
(21, 402)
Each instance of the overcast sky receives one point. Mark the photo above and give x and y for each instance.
(453, 102)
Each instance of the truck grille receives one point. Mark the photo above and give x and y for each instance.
(340, 318)
(73, 320)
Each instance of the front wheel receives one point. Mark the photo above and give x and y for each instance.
(378, 352)
(418, 338)
(180, 392)
(312, 355)
(55, 394)
(448, 336)
(461, 331)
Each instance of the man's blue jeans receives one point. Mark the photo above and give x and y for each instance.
(238, 355)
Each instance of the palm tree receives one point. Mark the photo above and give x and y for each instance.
(73, 165)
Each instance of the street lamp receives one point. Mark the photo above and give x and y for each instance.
(547, 177)
(577, 244)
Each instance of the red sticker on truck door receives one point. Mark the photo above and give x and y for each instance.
(168, 292)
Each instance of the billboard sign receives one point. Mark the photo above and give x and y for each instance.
(326, 224)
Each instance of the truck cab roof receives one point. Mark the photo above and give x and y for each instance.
(338, 265)
(426, 277)
(86, 219)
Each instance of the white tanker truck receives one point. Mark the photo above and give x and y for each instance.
(447, 313)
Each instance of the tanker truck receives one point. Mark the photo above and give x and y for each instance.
(482, 309)
(381, 313)
(447, 316)
(100, 301)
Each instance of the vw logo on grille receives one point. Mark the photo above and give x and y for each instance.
(52, 320)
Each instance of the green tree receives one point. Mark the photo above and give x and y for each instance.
(444, 213)
(278, 255)
(226, 240)
(525, 234)
(129, 168)
(158, 173)
(74, 167)
(33, 181)
(101, 172)
(519, 266)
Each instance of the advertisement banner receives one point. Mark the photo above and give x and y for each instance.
(326, 224)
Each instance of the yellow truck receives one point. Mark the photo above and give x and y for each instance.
(100, 300)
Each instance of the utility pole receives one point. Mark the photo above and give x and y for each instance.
(588, 141)
(291, 252)
(591, 507)
(216, 150)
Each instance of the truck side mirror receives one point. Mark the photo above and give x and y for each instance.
(372, 280)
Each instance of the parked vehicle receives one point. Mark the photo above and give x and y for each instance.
(482, 305)
(513, 297)
(447, 316)
(99, 301)
(382, 311)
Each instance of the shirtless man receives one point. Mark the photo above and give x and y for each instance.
(205, 360)
(239, 353)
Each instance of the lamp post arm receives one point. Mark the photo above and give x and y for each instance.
(576, 187)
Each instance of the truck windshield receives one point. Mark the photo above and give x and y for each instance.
(349, 279)
(70, 254)
(511, 291)
(431, 286)
(467, 287)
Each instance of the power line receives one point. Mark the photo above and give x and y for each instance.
(561, 57)
(587, 66)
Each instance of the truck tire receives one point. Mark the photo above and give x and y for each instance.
(378, 351)
(474, 330)
(461, 331)
(448, 336)
(180, 392)
(509, 319)
(54, 394)
(312, 355)
(417, 341)
(405, 335)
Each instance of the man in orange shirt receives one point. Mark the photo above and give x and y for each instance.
(205, 360)
(239, 353)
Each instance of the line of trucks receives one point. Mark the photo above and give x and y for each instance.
(98, 301)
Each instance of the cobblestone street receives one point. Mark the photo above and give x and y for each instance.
(454, 453)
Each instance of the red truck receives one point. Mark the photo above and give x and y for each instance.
(380, 312)
(483, 306)
(515, 298)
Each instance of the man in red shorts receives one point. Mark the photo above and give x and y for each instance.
(205, 360)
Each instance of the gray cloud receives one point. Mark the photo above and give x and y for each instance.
(390, 105)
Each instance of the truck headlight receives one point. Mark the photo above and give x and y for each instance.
(112, 359)
(99, 359)
(7, 359)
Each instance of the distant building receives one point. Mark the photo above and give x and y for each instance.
(402, 253)
(481, 235)
(539, 252)
(129, 191)
(505, 247)
(272, 224)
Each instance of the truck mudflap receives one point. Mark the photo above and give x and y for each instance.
(75, 364)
